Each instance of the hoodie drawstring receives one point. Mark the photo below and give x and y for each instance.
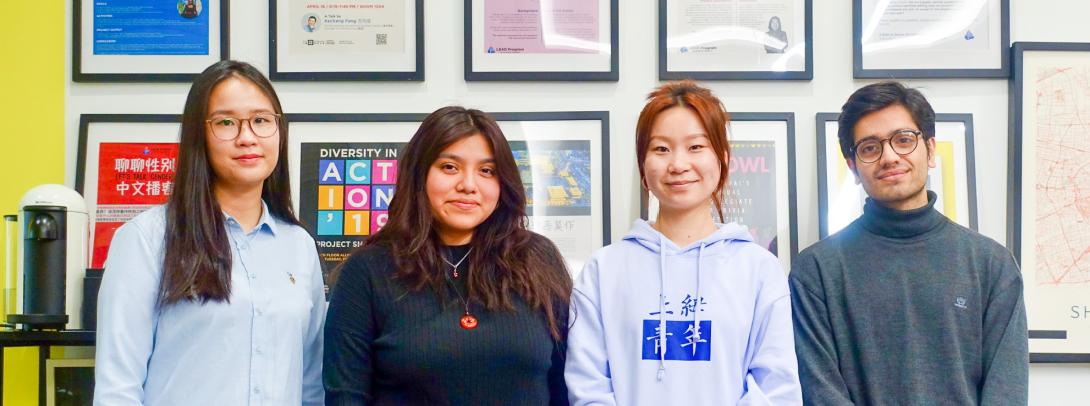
(662, 309)
(696, 306)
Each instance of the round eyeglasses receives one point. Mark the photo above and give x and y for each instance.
(902, 141)
(263, 125)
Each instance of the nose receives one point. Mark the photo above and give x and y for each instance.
(246, 134)
(468, 182)
(889, 156)
(679, 163)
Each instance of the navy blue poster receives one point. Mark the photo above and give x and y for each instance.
(151, 27)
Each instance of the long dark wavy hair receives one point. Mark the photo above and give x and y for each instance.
(506, 258)
(197, 254)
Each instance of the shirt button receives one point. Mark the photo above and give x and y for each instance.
(257, 350)
(257, 390)
(253, 276)
(260, 312)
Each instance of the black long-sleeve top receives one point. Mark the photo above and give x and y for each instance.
(387, 345)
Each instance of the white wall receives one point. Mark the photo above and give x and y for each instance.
(986, 99)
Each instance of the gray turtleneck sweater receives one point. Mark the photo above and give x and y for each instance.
(909, 308)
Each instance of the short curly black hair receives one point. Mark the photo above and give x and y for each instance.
(877, 96)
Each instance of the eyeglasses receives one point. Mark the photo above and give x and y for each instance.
(263, 125)
(902, 141)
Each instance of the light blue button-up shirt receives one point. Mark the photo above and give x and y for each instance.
(264, 347)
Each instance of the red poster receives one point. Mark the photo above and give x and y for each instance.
(132, 177)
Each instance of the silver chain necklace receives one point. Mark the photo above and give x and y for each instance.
(455, 266)
(467, 321)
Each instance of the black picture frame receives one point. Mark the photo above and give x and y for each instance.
(415, 76)
(666, 74)
(823, 162)
(77, 52)
(1017, 140)
(792, 183)
(859, 72)
(601, 76)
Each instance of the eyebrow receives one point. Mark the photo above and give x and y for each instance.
(233, 112)
(687, 137)
(453, 157)
(875, 136)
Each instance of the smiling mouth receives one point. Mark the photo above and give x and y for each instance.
(682, 183)
(896, 174)
(247, 157)
(464, 205)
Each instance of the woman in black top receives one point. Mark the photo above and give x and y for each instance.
(454, 301)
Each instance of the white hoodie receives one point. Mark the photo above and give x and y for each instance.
(726, 310)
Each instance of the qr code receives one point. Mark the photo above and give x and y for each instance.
(380, 39)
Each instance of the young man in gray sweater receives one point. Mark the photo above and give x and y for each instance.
(904, 306)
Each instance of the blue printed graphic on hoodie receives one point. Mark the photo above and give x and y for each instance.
(684, 340)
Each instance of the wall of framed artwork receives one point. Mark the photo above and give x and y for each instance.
(953, 179)
(1050, 227)
(985, 99)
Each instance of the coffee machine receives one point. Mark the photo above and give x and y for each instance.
(52, 257)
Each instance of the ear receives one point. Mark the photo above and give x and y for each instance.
(930, 152)
(852, 168)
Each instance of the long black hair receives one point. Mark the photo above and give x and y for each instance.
(197, 253)
(506, 259)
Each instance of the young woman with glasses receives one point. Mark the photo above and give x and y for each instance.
(217, 297)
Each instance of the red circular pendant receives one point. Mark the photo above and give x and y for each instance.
(468, 322)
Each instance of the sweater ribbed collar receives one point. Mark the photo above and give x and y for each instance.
(892, 223)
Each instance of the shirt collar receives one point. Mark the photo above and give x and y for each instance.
(266, 222)
(892, 223)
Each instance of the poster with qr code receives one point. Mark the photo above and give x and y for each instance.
(126, 165)
(345, 173)
(323, 39)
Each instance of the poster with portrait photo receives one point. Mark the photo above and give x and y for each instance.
(953, 179)
(147, 41)
(735, 39)
(346, 40)
(761, 190)
(345, 171)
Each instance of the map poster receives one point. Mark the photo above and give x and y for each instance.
(1050, 196)
(841, 198)
(760, 188)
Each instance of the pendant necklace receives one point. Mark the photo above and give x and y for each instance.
(467, 321)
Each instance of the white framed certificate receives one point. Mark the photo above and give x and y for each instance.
(735, 39)
(346, 40)
(953, 179)
(931, 38)
(532, 40)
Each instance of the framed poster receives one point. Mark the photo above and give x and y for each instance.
(953, 179)
(346, 40)
(125, 165)
(736, 39)
(69, 382)
(1049, 231)
(761, 192)
(541, 40)
(930, 38)
(147, 41)
(344, 174)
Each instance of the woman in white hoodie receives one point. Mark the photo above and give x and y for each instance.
(682, 311)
